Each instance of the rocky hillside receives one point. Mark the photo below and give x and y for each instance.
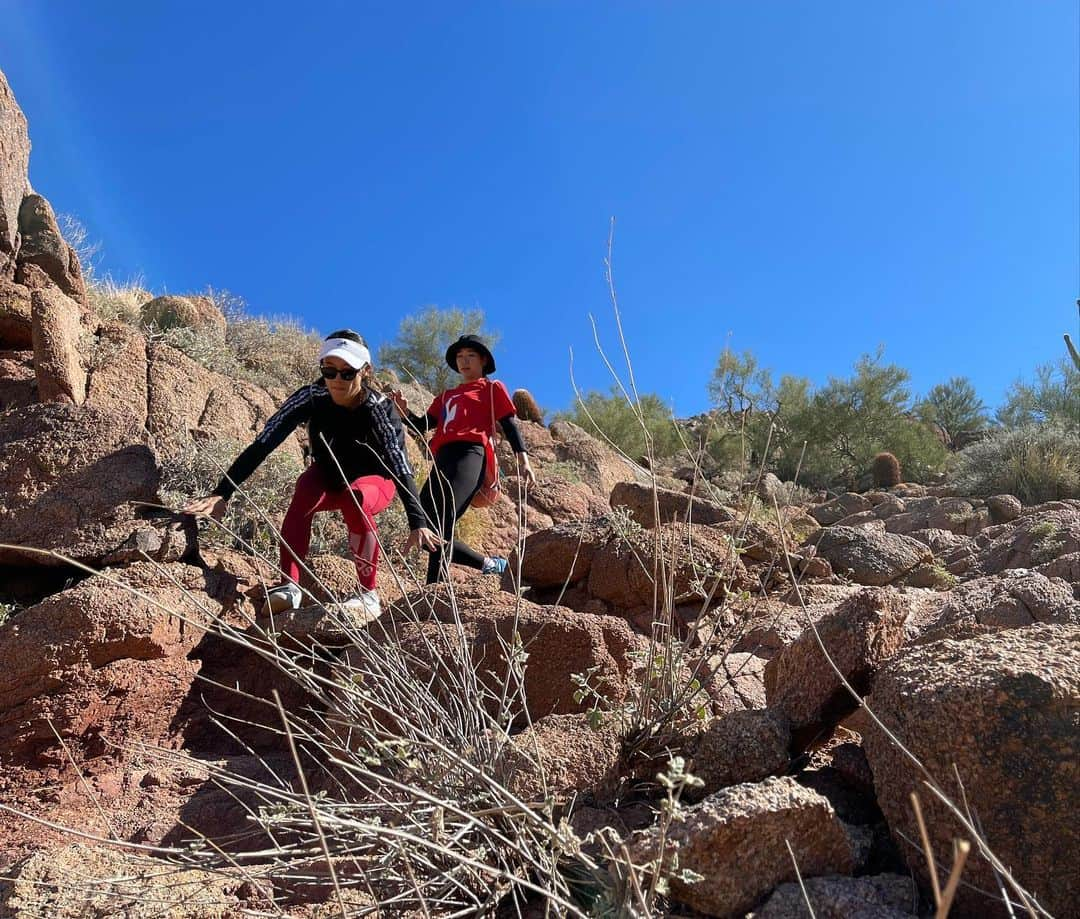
(497, 746)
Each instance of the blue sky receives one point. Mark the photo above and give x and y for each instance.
(806, 181)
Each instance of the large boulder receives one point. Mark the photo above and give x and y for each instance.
(633, 570)
(862, 632)
(1015, 598)
(840, 507)
(1002, 711)
(43, 246)
(562, 554)
(71, 480)
(738, 839)
(644, 503)
(563, 756)
(868, 556)
(55, 331)
(1038, 536)
(480, 626)
(14, 172)
(740, 747)
(100, 662)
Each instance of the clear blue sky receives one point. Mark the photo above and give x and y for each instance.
(805, 180)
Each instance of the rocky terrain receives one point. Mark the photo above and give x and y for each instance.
(812, 665)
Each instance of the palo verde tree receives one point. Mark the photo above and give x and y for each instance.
(419, 349)
(955, 407)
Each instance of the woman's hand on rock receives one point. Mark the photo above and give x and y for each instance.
(207, 506)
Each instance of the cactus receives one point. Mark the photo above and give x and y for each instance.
(527, 409)
(886, 470)
(1072, 348)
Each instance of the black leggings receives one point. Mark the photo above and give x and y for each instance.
(456, 476)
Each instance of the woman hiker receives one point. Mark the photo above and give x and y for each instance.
(358, 446)
(464, 420)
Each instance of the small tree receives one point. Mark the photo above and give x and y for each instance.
(420, 347)
(614, 417)
(955, 407)
(849, 420)
(1053, 396)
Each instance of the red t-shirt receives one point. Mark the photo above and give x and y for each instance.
(469, 412)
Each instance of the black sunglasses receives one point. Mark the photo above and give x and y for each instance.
(332, 373)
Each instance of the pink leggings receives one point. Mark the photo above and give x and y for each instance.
(371, 492)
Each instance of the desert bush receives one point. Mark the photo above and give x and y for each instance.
(628, 427)
(848, 421)
(419, 350)
(118, 302)
(886, 470)
(1036, 463)
(1052, 396)
(955, 406)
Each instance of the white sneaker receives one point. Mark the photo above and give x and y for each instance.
(365, 605)
(282, 598)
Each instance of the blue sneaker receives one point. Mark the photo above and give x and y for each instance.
(494, 566)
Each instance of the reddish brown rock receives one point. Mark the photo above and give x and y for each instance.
(740, 747)
(14, 172)
(1013, 599)
(18, 384)
(562, 554)
(751, 825)
(43, 246)
(692, 559)
(644, 503)
(735, 681)
(559, 642)
(562, 756)
(15, 325)
(100, 663)
(70, 481)
(869, 557)
(55, 332)
(843, 506)
(862, 632)
(1003, 709)
(1037, 537)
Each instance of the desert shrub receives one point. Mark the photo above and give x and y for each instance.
(419, 350)
(955, 407)
(885, 470)
(1036, 463)
(118, 302)
(627, 426)
(1052, 396)
(848, 421)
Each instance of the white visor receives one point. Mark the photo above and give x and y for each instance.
(351, 352)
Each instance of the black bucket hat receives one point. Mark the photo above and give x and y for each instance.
(477, 344)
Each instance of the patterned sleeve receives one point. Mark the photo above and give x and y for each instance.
(295, 411)
(386, 425)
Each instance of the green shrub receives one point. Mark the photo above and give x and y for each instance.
(1036, 463)
(419, 351)
(611, 416)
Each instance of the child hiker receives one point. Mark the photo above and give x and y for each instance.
(358, 446)
(464, 420)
